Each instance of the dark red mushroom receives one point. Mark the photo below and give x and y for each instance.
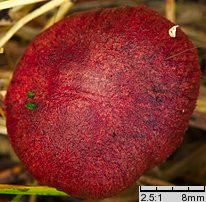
(101, 97)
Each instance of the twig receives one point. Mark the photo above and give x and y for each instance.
(30, 190)
(63, 9)
(14, 3)
(172, 56)
(43, 9)
(170, 10)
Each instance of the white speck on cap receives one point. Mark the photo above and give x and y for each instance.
(172, 31)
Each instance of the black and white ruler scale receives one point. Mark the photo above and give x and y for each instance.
(172, 194)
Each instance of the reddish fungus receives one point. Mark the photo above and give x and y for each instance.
(113, 96)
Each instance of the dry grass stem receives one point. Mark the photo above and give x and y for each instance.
(3, 93)
(2, 114)
(39, 11)
(1, 50)
(170, 10)
(62, 11)
(14, 3)
(3, 130)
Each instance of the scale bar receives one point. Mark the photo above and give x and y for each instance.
(158, 189)
(172, 190)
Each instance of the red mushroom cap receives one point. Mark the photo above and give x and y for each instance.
(101, 97)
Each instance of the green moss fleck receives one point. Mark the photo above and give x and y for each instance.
(30, 94)
(31, 105)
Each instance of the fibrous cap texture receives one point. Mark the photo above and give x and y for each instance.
(101, 97)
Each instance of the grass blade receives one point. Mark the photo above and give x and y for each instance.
(30, 190)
